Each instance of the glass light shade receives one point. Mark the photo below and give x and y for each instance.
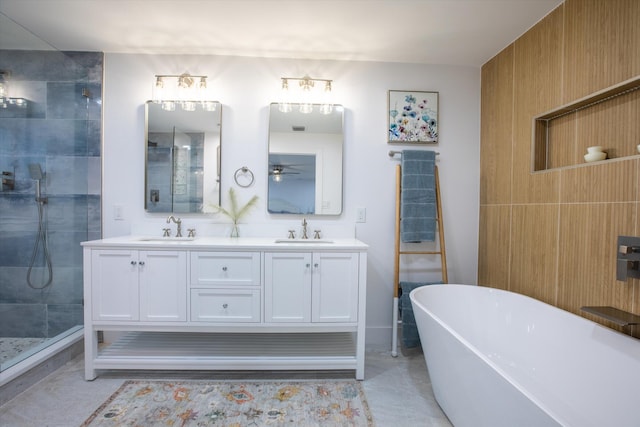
(306, 108)
(158, 91)
(189, 105)
(209, 105)
(168, 105)
(285, 107)
(326, 108)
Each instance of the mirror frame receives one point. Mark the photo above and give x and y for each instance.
(187, 128)
(324, 166)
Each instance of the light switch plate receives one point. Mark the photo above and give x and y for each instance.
(361, 215)
(118, 212)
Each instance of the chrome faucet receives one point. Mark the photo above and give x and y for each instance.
(304, 229)
(178, 222)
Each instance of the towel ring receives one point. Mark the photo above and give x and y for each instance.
(244, 171)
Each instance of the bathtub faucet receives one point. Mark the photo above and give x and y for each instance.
(178, 222)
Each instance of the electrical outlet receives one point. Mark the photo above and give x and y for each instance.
(361, 215)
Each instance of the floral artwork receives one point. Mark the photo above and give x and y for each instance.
(413, 117)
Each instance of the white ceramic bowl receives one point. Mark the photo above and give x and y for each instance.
(594, 149)
(594, 157)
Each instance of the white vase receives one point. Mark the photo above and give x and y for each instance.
(595, 156)
(594, 149)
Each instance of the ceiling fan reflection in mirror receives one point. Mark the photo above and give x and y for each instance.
(277, 171)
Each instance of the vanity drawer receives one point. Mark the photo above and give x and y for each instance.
(225, 268)
(219, 305)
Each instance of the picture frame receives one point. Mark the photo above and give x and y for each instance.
(412, 117)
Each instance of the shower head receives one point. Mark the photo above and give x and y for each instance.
(35, 171)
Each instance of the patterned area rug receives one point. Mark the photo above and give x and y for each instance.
(235, 404)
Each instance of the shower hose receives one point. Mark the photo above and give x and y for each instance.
(40, 237)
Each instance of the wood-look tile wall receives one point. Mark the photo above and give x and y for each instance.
(553, 234)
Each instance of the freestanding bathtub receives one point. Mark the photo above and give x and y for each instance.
(498, 358)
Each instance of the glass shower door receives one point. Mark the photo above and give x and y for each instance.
(50, 148)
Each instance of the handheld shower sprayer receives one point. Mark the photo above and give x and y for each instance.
(36, 174)
(41, 237)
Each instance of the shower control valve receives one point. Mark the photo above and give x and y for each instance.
(625, 250)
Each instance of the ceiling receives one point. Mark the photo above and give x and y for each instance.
(456, 32)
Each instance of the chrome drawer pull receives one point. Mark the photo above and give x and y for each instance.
(225, 305)
(224, 268)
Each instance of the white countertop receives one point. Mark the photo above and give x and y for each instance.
(227, 243)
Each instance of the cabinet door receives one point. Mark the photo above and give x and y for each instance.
(114, 285)
(163, 285)
(335, 287)
(287, 280)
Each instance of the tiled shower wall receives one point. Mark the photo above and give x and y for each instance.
(59, 129)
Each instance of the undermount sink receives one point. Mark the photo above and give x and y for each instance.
(166, 239)
(307, 241)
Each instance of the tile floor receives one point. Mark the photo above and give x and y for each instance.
(12, 347)
(398, 391)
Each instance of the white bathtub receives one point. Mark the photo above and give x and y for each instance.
(498, 358)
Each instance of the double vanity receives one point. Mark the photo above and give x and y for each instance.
(210, 303)
(205, 303)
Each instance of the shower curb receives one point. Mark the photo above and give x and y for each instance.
(20, 377)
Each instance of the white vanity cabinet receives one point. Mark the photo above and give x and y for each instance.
(311, 287)
(224, 303)
(131, 285)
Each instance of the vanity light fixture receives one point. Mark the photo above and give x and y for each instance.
(187, 91)
(306, 95)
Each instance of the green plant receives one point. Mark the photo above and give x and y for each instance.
(235, 212)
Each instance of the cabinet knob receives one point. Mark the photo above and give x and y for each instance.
(316, 265)
(134, 262)
(225, 305)
(224, 268)
(141, 263)
(308, 265)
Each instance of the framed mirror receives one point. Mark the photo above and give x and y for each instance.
(182, 161)
(305, 161)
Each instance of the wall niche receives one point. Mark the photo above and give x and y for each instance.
(561, 136)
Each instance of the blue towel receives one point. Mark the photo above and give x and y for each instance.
(410, 336)
(418, 196)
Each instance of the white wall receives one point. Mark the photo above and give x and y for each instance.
(246, 87)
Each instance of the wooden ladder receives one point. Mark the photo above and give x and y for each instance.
(398, 251)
